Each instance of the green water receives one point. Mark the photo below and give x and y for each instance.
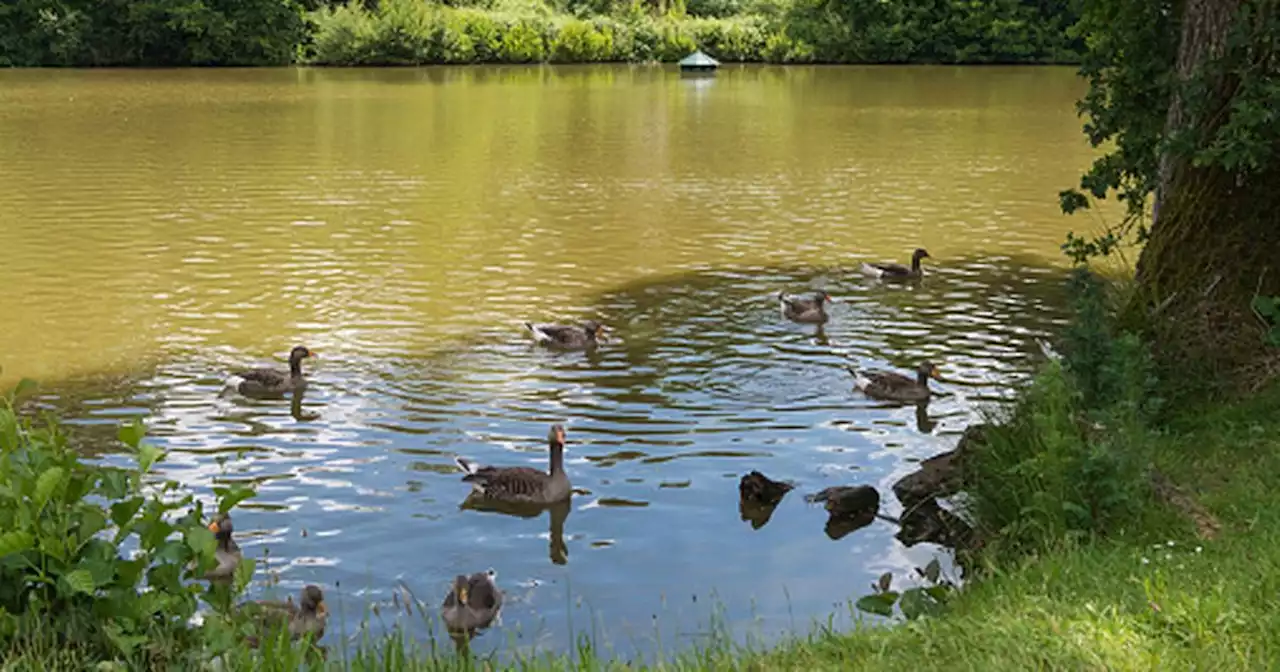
(162, 228)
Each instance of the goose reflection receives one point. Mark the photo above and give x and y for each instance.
(923, 423)
(559, 512)
(295, 407)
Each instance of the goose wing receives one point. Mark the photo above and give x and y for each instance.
(508, 482)
(558, 333)
(265, 377)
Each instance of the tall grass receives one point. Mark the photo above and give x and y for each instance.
(1069, 459)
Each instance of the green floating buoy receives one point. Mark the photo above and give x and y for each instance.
(698, 62)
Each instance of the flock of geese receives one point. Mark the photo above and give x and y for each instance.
(474, 601)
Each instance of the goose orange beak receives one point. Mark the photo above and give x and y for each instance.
(936, 373)
(213, 527)
(322, 609)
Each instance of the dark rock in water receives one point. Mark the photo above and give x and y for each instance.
(929, 522)
(851, 501)
(940, 475)
(758, 496)
(839, 525)
(758, 488)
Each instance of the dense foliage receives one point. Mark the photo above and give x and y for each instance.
(1187, 96)
(265, 32)
(95, 560)
(1068, 459)
(150, 32)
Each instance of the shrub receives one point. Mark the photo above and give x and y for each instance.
(578, 41)
(1069, 459)
(522, 42)
(96, 559)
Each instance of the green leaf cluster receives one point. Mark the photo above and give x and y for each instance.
(104, 554)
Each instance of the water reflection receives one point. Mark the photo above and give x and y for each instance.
(556, 515)
(703, 377)
(406, 222)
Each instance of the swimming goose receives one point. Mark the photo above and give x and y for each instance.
(226, 553)
(304, 619)
(895, 386)
(523, 485)
(807, 310)
(473, 603)
(897, 271)
(571, 337)
(267, 382)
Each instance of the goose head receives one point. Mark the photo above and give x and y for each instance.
(927, 370)
(313, 601)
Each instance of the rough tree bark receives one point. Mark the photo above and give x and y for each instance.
(1215, 240)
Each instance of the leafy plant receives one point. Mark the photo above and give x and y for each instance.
(96, 556)
(1267, 309)
(924, 600)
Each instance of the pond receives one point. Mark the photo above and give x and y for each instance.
(162, 229)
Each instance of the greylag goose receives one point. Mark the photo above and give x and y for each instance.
(226, 553)
(307, 618)
(523, 485)
(267, 382)
(473, 603)
(806, 310)
(897, 271)
(569, 337)
(895, 386)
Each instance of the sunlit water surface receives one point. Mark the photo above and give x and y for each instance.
(163, 228)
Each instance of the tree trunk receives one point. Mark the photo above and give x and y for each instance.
(1215, 237)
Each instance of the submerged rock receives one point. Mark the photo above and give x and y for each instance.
(929, 522)
(758, 496)
(850, 501)
(941, 475)
(839, 525)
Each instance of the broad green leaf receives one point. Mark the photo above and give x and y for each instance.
(1266, 306)
(915, 603)
(933, 570)
(173, 552)
(80, 581)
(54, 547)
(129, 572)
(124, 643)
(244, 574)
(131, 434)
(115, 485)
(92, 521)
(880, 603)
(46, 485)
(24, 386)
(940, 593)
(201, 541)
(102, 571)
(15, 542)
(228, 498)
(123, 512)
(148, 455)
